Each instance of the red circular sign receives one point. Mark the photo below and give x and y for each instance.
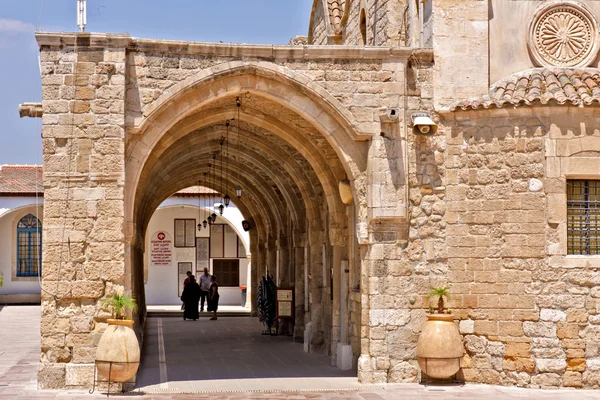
(161, 236)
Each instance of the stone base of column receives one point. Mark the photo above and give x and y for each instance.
(344, 356)
(307, 335)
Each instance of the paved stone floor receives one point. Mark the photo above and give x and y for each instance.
(237, 351)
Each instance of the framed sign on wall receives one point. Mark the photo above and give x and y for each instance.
(285, 303)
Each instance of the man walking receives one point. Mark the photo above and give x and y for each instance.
(204, 288)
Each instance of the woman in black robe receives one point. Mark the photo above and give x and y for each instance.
(190, 298)
(213, 297)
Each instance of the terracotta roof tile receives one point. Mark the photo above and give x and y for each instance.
(575, 86)
(21, 179)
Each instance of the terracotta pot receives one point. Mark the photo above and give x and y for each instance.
(440, 347)
(118, 344)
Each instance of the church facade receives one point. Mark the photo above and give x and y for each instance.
(402, 145)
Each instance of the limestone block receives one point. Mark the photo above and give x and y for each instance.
(517, 349)
(572, 379)
(84, 355)
(546, 380)
(51, 376)
(552, 315)
(88, 193)
(475, 344)
(79, 374)
(551, 365)
(402, 372)
(81, 324)
(495, 348)
(467, 326)
(544, 329)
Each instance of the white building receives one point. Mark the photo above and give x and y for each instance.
(223, 247)
(174, 242)
(21, 212)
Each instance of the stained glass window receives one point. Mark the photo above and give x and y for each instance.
(29, 246)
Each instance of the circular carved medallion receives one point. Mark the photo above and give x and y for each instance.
(563, 34)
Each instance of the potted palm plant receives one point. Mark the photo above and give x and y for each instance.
(440, 346)
(118, 352)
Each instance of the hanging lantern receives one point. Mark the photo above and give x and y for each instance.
(238, 191)
(204, 223)
(221, 208)
(199, 227)
(226, 200)
(210, 219)
(214, 217)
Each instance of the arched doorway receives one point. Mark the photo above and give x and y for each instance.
(288, 144)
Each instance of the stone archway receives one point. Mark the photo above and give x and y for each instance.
(297, 143)
(135, 120)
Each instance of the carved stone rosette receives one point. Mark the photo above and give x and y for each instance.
(563, 34)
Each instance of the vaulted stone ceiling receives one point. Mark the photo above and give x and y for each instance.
(288, 170)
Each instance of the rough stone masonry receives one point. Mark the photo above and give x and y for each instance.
(480, 205)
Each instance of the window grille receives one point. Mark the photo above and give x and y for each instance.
(583, 217)
(29, 246)
(185, 233)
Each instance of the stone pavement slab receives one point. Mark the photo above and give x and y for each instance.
(19, 359)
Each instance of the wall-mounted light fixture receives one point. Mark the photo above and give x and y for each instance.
(423, 124)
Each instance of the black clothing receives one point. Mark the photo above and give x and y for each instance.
(213, 298)
(203, 296)
(190, 297)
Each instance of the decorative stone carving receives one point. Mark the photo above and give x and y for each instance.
(563, 34)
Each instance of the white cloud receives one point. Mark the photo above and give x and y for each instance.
(15, 26)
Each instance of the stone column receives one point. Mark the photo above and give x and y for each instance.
(83, 97)
(254, 270)
(300, 265)
(317, 289)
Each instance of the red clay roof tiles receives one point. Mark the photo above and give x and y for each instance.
(574, 86)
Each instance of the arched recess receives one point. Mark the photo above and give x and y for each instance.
(298, 143)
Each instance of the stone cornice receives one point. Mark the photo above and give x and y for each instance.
(228, 49)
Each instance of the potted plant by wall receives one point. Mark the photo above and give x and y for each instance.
(440, 345)
(118, 352)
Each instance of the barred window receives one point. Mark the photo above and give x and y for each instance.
(185, 233)
(29, 246)
(583, 217)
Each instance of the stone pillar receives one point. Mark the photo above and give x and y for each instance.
(299, 265)
(83, 97)
(317, 289)
(254, 270)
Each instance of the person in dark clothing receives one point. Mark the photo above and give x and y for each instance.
(191, 297)
(213, 297)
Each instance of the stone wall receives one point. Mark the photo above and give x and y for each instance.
(527, 310)
(385, 23)
(83, 248)
(460, 31)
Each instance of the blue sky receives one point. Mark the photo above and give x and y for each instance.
(240, 21)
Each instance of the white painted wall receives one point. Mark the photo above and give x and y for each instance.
(162, 286)
(11, 210)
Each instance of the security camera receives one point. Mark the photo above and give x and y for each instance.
(423, 124)
(246, 225)
(389, 114)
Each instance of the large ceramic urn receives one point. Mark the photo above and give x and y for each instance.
(440, 347)
(118, 352)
